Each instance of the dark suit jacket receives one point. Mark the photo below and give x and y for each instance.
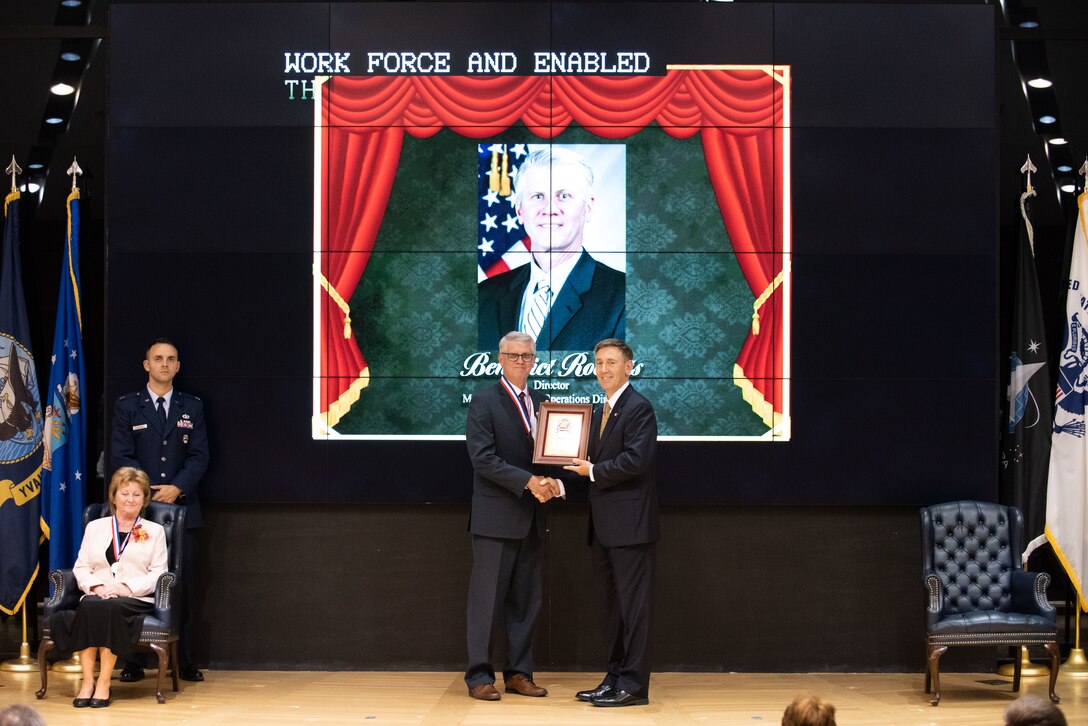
(590, 307)
(178, 455)
(501, 454)
(623, 495)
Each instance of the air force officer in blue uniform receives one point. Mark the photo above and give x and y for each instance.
(161, 430)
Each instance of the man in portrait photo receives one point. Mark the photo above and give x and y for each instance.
(564, 297)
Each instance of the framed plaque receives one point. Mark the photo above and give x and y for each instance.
(562, 432)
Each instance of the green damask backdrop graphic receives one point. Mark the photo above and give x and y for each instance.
(688, 305)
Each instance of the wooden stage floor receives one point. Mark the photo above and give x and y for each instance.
(241, 698)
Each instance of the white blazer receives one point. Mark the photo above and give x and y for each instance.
(139, 567)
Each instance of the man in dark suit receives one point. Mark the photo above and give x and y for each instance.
(161, 430)
(506, 522)
(563, 298)
(623, 524)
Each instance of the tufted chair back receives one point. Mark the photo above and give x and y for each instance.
(170, 516)
(974, 547)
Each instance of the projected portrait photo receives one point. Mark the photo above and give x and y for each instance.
(650, 209)
(552, 244)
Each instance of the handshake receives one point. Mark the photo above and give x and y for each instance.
(543, 488)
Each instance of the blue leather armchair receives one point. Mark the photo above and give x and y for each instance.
(160, 631)
(976, 591)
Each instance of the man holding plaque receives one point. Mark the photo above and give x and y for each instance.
(506, 522)
(623, 523)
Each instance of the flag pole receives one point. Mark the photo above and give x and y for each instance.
(1076, 664)
(24, 663)
(72, 664)
(1027, 668)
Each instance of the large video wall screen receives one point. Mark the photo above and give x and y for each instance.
(356, 202)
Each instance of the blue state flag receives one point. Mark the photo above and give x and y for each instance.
(21, 427)
(65, 464)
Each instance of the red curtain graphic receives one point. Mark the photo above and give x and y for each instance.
(739, 113)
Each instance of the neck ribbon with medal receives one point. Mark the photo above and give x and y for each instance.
(118, 545)
(526, 418)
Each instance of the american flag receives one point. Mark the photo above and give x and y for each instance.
(501, 243)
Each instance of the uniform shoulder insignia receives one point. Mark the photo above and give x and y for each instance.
(128, 395)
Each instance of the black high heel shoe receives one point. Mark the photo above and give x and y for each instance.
(99, 702)
(81, 702)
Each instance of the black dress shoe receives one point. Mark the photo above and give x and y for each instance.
(131, 674)
(620, 698)
(81, 702)
(190, 673)
(599, 692)
(99, 702)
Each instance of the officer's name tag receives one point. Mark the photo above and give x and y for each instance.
(138, 427)
(185, 424)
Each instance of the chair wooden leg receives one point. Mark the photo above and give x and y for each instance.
(43, 665)
(1055, 660)
(933, 656)
(174, 663)
(1016, 659)
(161, 652)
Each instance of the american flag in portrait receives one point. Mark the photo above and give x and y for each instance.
(501, 243)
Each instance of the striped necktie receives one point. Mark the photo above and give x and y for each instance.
(539, 306)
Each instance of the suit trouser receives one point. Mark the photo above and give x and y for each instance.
(505, 576)
(627, 574)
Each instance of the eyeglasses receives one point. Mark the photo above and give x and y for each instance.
(523, 357)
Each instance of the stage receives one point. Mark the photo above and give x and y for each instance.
(440, 699)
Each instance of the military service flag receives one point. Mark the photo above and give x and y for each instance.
(1067, 485)
(20, 428)
(1025, 437)
(65, 417)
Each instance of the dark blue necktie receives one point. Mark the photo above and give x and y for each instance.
(160, 406)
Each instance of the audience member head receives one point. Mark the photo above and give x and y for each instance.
(1033, 711)
(19, 715)
(809, 711)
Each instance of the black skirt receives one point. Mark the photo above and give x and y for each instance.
(114, 623)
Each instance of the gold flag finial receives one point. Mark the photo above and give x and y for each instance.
(493, 177)
(1028, 168)
(504, 186)
(74, 171)
(13, 169)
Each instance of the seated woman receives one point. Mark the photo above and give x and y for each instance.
(119, 563)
